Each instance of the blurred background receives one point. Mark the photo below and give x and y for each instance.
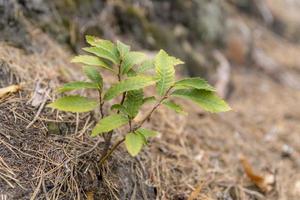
(248, 49)
(246, 31)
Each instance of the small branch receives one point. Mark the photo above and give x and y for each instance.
(123, 98)
(107, 137)
(119, 71)
(148, 116)
(104, 158)
(101, 104)
(130, 125)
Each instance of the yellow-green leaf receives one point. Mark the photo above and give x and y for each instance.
(104, 48)
(197, 83)
(120, 108)
(164, 67)
(74, 103)
(92, 40)
(134, 143)
(131, 59)
(207, 100)
(92, 73)
(122, 48)
(96, 42)
(132, 83)
(109, 123)
(77, 85)
(133, 102)
(149, 99)
(145, 66)
(147, 133)
(90, 60)
(103, 53)
(173, 106)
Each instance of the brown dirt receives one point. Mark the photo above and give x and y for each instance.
(52, 159)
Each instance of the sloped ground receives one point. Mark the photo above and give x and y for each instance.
(50, 155)
(205, 148)
(200, 152)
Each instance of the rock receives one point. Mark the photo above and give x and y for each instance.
(12, 25)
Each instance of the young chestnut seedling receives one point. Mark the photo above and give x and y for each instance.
(131, 69)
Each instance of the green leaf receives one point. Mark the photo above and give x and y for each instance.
(90, 60)
(131, 73)
(109, 54)
(134, 143)
(133, 102)
(196, 83)
(102, 48)
(97, 42)
(147, 133)
(109, 123)
(132, 83)
(164, 67)
(145, 66)
(131, 59)
(122, 48)
(92, 40)
(120, 108)
(176, 61)
(92, 73)
(207, 100)
(77, 85)
(173, 106)
(149, 99)
(74, 104)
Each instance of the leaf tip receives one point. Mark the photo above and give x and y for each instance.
(50, 105)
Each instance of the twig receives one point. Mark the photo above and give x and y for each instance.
(37, 189)
(130, 125)
(252, 192)
(7, 181)
(27, 154)
(101, 103)
(84, 153)
(148, 116)
(123, 98)
(77, 123)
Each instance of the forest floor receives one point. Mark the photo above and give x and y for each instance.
(199, 156)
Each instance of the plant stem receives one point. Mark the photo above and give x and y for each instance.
(123, 98)
(107, 137)
(148, 116)
(104, 158)
(101, 104)
(130, 125)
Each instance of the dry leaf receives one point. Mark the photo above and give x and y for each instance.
(264, 182)
(39, 95)
(8, 90)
